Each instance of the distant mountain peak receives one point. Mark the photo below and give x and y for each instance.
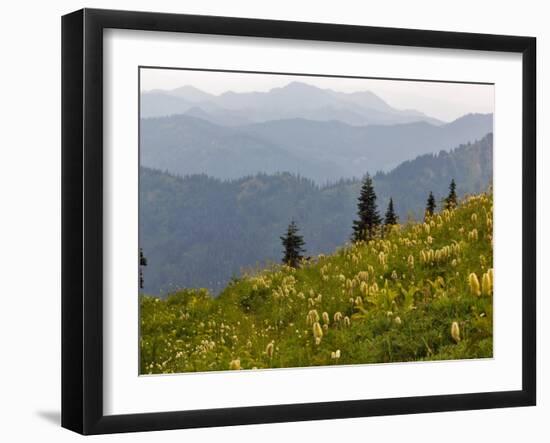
(472, 118)
(295, 99)
(299, 85)
(188, 88)
(473, 115)
(191, 94)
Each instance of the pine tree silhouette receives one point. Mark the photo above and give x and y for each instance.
(430, 205)
(142, 262)
(293, 244)
(366, 226)
(390, 217)
(451, 200)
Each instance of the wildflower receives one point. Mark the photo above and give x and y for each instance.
(455, 332)
(312, 317)
(337, 317)
(474, 284)
(269, 350)
(486, 284)
(335, 355)
(423, 256)
(358, 301)
(347, 321)
(430, 254)
(235, 364)
(326, 318)
(410, 261)
(474, 218)
(317, 332)
(397, 320)
(394, 275)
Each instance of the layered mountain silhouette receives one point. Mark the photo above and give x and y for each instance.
(295, 100)
(321, 150)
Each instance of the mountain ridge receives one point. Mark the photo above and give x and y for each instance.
(187, 144)
(294, 99)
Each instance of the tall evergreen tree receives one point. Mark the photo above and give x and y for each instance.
(390, 217)
(451, 200)
(365, 227)
(430, 205)
(142, 262)
(293, 244)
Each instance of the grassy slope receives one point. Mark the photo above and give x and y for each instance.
(390, 300)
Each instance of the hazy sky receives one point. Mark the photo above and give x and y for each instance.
(445, 101)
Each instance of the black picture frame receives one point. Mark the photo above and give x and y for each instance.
(82, 218)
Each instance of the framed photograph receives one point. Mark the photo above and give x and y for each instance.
(269, 221)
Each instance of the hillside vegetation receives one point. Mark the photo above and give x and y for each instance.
(424, 292)
(199, 231)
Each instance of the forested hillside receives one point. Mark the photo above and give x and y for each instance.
(198, 231)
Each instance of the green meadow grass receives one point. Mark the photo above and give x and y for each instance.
(393, 299)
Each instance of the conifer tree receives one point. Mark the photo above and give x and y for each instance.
(142, 262)
(365, 227)
(390, 217)
(293, 244)
(451, 200)
(430, 205)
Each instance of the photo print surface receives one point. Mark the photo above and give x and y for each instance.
(291, 220)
